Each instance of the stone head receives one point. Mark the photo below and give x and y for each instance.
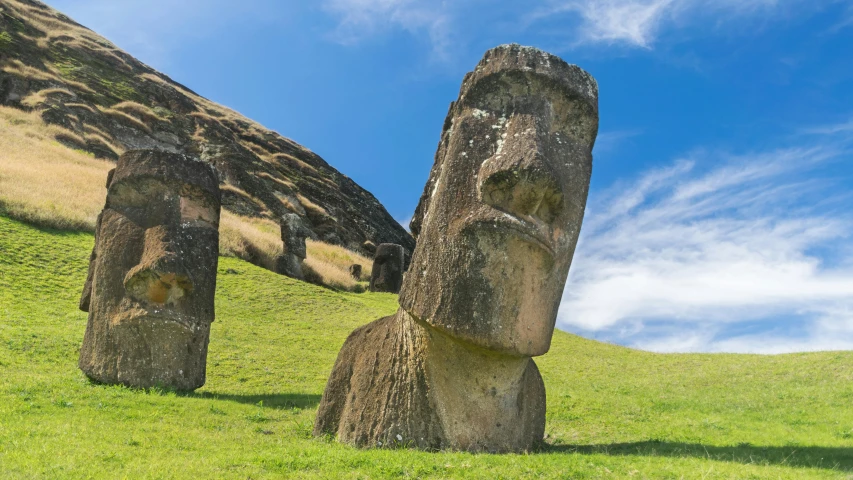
(501, 212)
(153, 272)
(293, 234)
(387, 274)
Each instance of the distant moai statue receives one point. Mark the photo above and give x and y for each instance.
(497, 226)
(355, 271)
(369, 248)
(387, 274)
(152, 273)
(293, 234)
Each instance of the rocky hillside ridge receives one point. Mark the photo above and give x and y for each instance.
(109, 102)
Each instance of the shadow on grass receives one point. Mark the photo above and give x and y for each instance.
(836, 458)
(273, 400)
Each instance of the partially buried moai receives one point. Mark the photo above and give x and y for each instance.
(152, 274)
(355, 271)
(387, 273)
(497, 227)
(293, 235)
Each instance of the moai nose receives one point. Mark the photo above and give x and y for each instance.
(520, 182)
(160, 277)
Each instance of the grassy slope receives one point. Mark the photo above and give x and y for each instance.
(612, 411)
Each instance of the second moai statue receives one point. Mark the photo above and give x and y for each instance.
(293, 234)
(387, 274)
(497, 226)
(355, 271)
(152, 274)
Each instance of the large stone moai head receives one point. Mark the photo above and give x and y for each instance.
(152, 275)
(387, 275)
(293, 234)
(500, 215)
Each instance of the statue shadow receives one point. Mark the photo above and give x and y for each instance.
(834, 458)
(283, 401)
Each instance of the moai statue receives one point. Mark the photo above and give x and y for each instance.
(387, 274)
(293, 234)
(369, 248)
(152, 274)
(355, 271)
(498, 223)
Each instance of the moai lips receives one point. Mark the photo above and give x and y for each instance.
(497, 226)
(152, 275)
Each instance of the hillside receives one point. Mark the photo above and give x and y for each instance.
(612, 412)
(104, 101)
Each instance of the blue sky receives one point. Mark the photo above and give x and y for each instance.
(721, 210)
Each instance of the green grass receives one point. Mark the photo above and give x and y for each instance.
(5, 40)
(612, 412)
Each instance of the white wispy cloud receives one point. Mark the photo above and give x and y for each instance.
(833, 129)
(630, 21)
(634, 23)
(361, 19)
(639, 23)
(745, 256)
(609, 140)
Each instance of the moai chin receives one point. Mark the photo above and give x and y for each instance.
(293, 234)
(497, 226)
(387, 273)
(152, 273)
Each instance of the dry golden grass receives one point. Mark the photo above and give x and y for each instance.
(332, 263)
(126, 119)
(42, 96)
(81, 106)
(16, 67)
(309, 205)
(289, 202)
(284, 182)
(294, 162)
(258, 240)
(138, 110)
(44, 182)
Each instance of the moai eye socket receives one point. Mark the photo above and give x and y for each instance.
(145, 201)
(197, 212)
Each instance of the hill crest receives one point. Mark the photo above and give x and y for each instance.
(108, 102)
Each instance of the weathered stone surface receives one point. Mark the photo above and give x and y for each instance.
(152, 275)
(355, 271)
(387, 274)
(139, 107)
(293, 234)
(498, 223)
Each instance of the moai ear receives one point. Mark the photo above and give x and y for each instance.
(110, 177)
(86, 296)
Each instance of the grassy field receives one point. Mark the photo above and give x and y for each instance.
(612, 412)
